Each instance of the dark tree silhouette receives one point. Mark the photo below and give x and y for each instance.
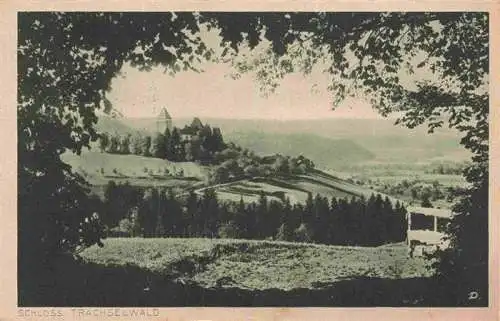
(125, 144)
(285, 231)
(149, 212)
(66, 62)
(103, 142)
(159, 146)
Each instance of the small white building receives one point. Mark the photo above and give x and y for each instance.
(425, 232)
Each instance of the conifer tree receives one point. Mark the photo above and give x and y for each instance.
(192, 226)
(148, 212)
(103, 142)
(136, 144)
(217, 140)
(158, 147)
(285, 229)
(174, 214)
(261, 216)
(344, 229)
(273, 218)
(176, 147)
(240, 219)
(307, 216)
(114, 144)
(169, 152)
(125, 144)
(319, 226)
(210, 210)
(333, 222)
(251, 223)
(146, 146)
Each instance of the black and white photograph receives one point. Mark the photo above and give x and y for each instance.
(255, 159)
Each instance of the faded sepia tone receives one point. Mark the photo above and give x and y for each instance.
(210, 189)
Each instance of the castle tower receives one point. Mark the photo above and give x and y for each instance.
(163, 121)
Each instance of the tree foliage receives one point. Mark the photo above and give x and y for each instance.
(148, 212)
(374, 55)
(66, 62)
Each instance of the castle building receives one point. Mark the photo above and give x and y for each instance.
(163, 121)
(187, 134)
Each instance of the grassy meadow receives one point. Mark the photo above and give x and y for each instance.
(257, 265)
(100, 168)
(94, 163)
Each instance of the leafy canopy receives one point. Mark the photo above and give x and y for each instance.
(66, 62)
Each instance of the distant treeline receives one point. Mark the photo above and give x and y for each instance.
(201, 143)
(447, 168)
(435, 167)
(132, 211)
(418, 190)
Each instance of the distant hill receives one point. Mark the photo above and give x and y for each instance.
(329, 142)
(387, 142)
(116, 125)
(323, 151)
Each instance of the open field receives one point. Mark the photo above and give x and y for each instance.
(386, 174)
(131, 165)
(383, 177)
(99, 168)
(295, 187)
(250, 190)
(257, 264)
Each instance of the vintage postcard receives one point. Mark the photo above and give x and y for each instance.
(275, 161)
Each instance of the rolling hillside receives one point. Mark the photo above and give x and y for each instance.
(99, 168)
(296, 188)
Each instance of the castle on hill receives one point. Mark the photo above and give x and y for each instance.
(164, 121)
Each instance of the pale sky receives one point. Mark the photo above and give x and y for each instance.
(213, 93)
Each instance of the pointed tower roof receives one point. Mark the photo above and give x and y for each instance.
(164, 114)
(196, 123)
